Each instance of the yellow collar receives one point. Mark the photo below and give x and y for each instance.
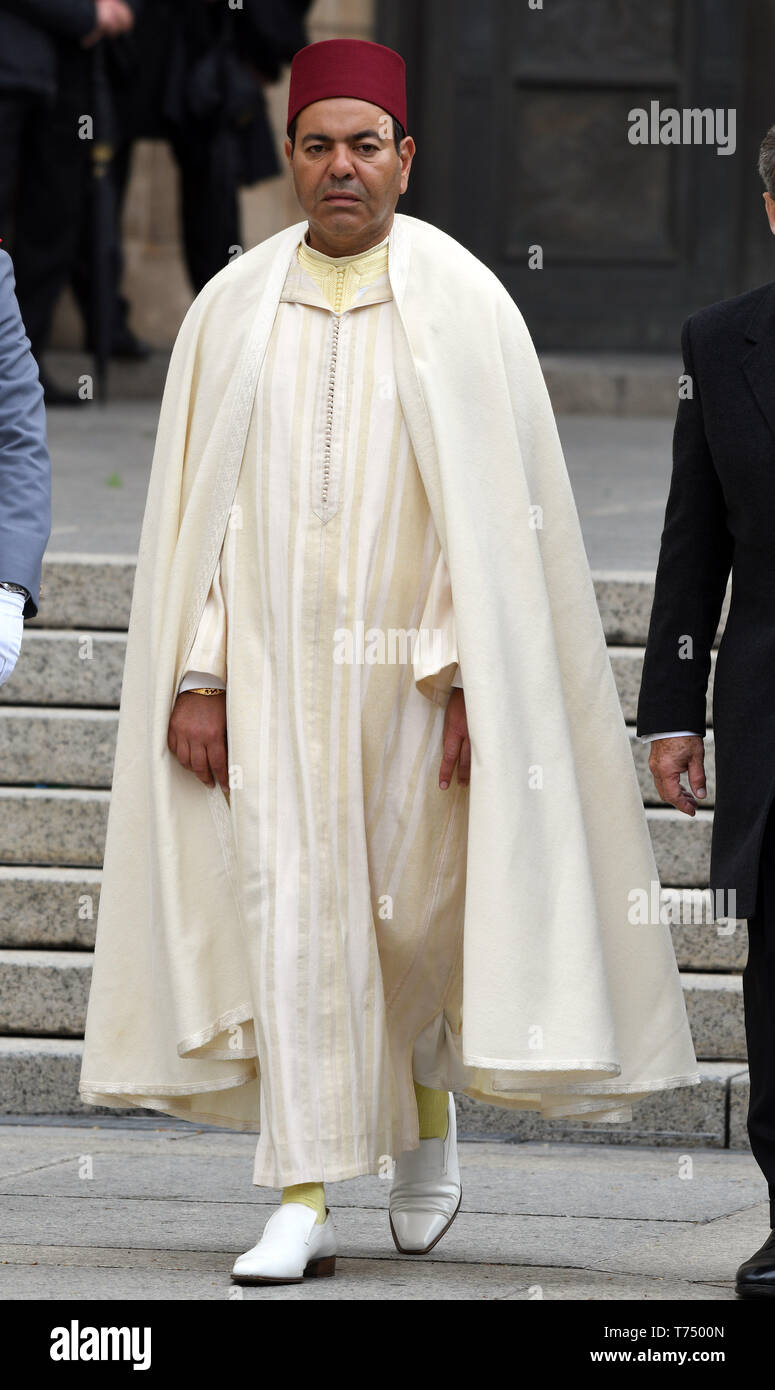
(341, 278)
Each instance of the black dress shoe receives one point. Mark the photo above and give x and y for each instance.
(756, 1277)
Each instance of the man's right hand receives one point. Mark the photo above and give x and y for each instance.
(197, 736)
(670, 757)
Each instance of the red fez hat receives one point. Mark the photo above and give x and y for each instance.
(348, 68)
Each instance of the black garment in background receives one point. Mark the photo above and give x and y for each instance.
(209, 211)
(29, 30)
(18, 111)
(45, 168)
(719, 516)
(759, 1001)
(51, 196)
(195, 73)
(32, 33)
(150, 95)
(190, 88)
(270, 32)
(180, 76)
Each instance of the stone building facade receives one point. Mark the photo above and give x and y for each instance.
(522, 118)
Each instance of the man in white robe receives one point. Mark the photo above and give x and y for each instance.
(313, 521)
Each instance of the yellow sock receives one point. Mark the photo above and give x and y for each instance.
(312, 1194)
(432, 1111)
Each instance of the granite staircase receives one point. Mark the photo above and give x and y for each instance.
(58, 721)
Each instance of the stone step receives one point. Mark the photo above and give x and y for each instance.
(613, 384)
(141, 380)
(54, 826)
(72, 746)
(94, 592)
(46, 992)
(57, 747)
(579, 383)
(714, 1005)
(681, 845)
(66, 826)
(56, 909)
(48, 908)
(39, 1076)
(63, 667)
(624, 599)
(701, 944)
(85, 591)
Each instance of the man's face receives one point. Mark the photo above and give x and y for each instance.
(347, 173)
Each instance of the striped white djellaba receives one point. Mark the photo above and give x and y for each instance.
(358, 856)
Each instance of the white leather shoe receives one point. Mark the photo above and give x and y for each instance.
(426, 1192)
(293, 1245)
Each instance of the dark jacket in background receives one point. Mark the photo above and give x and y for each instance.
(270, 32)
(190, 76)
(29, 30)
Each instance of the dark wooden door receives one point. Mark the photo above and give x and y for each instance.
(521, 117)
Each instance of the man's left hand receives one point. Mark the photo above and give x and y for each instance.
(457, 746)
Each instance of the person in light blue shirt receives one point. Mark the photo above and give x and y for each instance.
(25, 475)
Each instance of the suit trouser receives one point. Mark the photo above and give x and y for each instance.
(44, 173)
(40, 205)
(759, 1001)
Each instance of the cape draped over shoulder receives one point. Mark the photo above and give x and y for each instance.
(570, 1007)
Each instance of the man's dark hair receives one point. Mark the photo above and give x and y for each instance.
(399, 133)
(767, 161)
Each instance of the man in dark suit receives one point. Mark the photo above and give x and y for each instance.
(193, 73)
(45, 59)
(719, 510)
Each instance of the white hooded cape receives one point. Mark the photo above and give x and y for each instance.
(572, 1006)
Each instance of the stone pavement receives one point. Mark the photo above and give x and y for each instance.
(157, 1209)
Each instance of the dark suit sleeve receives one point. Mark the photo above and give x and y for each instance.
(695, 559)
(70, 18)
(25, 467)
